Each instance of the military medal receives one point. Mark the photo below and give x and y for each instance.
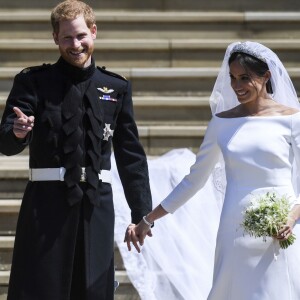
(107, 98)
(107, 132)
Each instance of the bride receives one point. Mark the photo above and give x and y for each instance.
(254, 135)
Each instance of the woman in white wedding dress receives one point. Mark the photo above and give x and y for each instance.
(255, 134)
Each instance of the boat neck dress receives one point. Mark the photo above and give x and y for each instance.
(258, 152)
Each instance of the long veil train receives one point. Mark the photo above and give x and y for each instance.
(177, 262)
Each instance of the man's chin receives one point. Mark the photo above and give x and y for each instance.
(77, 62)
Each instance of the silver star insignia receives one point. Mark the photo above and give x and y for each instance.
(107, 132)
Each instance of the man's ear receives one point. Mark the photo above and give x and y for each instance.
(93, 30)
(55, 37)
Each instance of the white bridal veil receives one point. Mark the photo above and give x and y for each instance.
(177, 262)
(224, 98)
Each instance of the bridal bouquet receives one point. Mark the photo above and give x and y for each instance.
(265, 216)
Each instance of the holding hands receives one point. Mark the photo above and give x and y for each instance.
(22, 124)
(136, 234)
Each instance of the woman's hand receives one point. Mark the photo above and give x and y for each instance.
(136, 234)
(286, 230)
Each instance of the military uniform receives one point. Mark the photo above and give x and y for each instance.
(64, 240)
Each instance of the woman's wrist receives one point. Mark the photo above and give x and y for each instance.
(147, 221)
(291, 219)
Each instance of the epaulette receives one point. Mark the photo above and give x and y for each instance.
(103, 69)
(35, 68)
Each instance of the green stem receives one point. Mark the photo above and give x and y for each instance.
(288, 242)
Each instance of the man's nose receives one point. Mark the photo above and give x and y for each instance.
(75, 43)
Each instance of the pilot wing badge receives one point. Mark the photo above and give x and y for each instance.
(105, 94)
(105, 90)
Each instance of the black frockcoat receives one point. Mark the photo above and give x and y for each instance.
(72, 108)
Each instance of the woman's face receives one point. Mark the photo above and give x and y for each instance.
(247, 85)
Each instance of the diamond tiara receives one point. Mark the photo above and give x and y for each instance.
(247, 49)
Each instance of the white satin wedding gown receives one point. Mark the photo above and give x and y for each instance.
(258, 153)
(177, 262)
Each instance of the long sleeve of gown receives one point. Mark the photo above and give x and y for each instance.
(200, 171)
(296, 149)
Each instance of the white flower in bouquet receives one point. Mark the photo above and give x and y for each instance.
(265, 216)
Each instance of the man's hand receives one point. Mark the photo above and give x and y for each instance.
(136, 234)
(22, 124)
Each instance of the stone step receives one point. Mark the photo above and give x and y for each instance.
(9, 210)
(127, 53)
(171, 111)
(158, 140)
(174, 5)
(163, 110)
(152, 101)
(29, 23)
(125, 291)
(161, 81)
(6, 250)
(149, 81)
(13, 180)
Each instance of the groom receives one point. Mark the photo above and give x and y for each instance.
(70, 114)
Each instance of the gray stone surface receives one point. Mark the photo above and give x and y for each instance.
(177, 5)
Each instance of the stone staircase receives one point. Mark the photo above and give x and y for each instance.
(165, 5)
(170, 50)
(171, 57)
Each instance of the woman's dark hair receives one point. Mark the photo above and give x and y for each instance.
(252, 64)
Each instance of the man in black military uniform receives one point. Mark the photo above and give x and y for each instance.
(70, 114)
